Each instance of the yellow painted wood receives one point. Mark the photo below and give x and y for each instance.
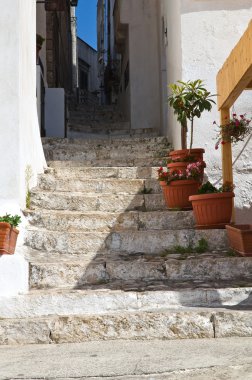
(227, 168)
(236, 73)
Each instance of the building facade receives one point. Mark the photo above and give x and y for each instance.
(87, 69)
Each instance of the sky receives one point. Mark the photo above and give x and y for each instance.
(86, 21)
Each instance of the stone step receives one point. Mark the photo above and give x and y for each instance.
(106, 185)
(109, 221)
(104, 172)
(120, 162)
(125, 141)
(102, 300)
(103, 154)
(109, 134)
(142, 272)
(109, 151)
(77, 201)
(92, 125)
(93, 243)
(188, 323)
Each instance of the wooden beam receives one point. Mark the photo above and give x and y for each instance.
(227, 161)
(227, 170)
(249, 86)
(236, 73)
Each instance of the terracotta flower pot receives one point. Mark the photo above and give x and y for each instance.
(8, 238)
(212, 210)
(177, 193)
(162, 183)
(240, 238)
(197, 153)
(173, 166)
(181, 166)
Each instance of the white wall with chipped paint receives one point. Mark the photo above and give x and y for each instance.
(20, 142)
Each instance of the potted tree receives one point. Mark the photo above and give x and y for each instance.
(188, 100)
(212, 207)
(8, 233)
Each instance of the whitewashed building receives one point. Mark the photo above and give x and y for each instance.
(87, 67)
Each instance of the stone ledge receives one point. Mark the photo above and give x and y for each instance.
(193, 324)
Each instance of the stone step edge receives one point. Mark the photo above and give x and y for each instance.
(190, 324)
(122, 231)
(155, 139)
(44, 303)
(97, 213)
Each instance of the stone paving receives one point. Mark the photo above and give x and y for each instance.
(205, 359)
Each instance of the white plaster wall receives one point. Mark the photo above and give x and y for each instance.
(145, 95)
(171, 14)
(20, 142)
(89, 55)
(210, 30)
(41, 29)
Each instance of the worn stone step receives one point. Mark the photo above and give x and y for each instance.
(92, 125)
(171, 324)
(104, 172)
(102, 300)
(106, 185)
(92, 243)
(147, 142)
(101, 154)
(90, 152)
(109, 221)
(120, 162)
(77, 201)
(78, 133)
(141, 272)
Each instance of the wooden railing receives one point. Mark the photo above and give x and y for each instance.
(234, 77)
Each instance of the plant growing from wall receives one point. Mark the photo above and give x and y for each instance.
(189, 100)
(28, 177)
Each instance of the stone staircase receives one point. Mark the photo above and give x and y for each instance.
(105, 255)
(87, 121)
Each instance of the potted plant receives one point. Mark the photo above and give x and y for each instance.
(189, 100)
(212, 207)
(8, 233)
(234, 131)
(240, 238)
(178, 185)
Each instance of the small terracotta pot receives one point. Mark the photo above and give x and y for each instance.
(197, 153)
(240, 238)
(8, 238)
(177, 193)
(212, 210)
(181, 166)
(177, 166)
